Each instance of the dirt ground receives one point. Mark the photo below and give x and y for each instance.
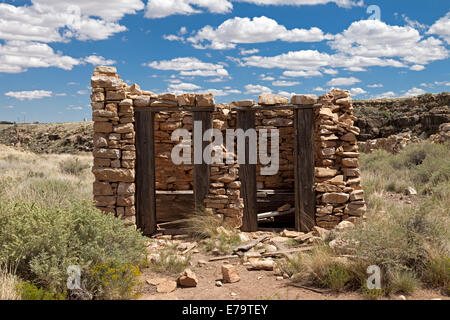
(254, 285)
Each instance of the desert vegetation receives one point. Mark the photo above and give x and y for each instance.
(47, 224)
(407, 239)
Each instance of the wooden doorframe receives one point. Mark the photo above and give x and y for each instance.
(145, 164)
(305, 197)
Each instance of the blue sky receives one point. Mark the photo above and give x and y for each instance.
(236, 49)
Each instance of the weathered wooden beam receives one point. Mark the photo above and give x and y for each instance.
(277, 107)
(271, 214)
(251, 244)
(201, 171)
(287, 252)
(174, 109)
(305, 199)
(247, 176)
(145, 173)
(233, 256)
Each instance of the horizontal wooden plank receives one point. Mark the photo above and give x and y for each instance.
(277, 107)
(271, 214)
(180, 192)
(174, 109)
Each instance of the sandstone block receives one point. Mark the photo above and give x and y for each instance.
(126, 103)
(344, 225)
(321, 232)
(103, 127)
(272, 99)
(115, 95)
(104, 81)
(350, 162)
(125, 201)
(106, 153)
(188, 279)
(186, 99)
(129, 155)
(168, 97)
(105, 69)
(97, 97)
(126, 188)
(114, 175)
(322, 187)
(357, 195)
(304, 99)
(230, 273)
(351, 172)
(103, 189)
(135, 89)
(170, 126)
(325, 172)
(104, 201)
(205, 100)
(167, 286)
(124, 128)
(344, 101)
(97, 105)
(335, 198)
(339, 93)
(130, 211)
(102, 162)
(350, 137)
(355, 209)
(142, 101)
(100, 141)
(243, 103)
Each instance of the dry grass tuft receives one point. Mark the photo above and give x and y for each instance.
(45, 180)
(8, 286)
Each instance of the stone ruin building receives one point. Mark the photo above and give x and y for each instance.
(119, 114)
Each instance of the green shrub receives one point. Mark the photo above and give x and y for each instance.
(114, 281)
(73, 166)
(372, 294)
(336, 277)
(424, 165)
(321, 268)
(29, 291)
(403, 281)
(44, 242)
(438, 273)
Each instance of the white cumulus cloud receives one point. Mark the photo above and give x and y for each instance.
(99, 61)
(257, 89)
(343, 81)
(164, 8)
(442, 28)
(257, 30)
(414, 92)
(18, 56)
(283, 83)
(189, 66)
(29, 95)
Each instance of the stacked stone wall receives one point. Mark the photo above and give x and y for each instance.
(339, 194)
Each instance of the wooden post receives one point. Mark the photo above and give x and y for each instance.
(305, 198)
(201, 171)
(247, 176)
(145, 173)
